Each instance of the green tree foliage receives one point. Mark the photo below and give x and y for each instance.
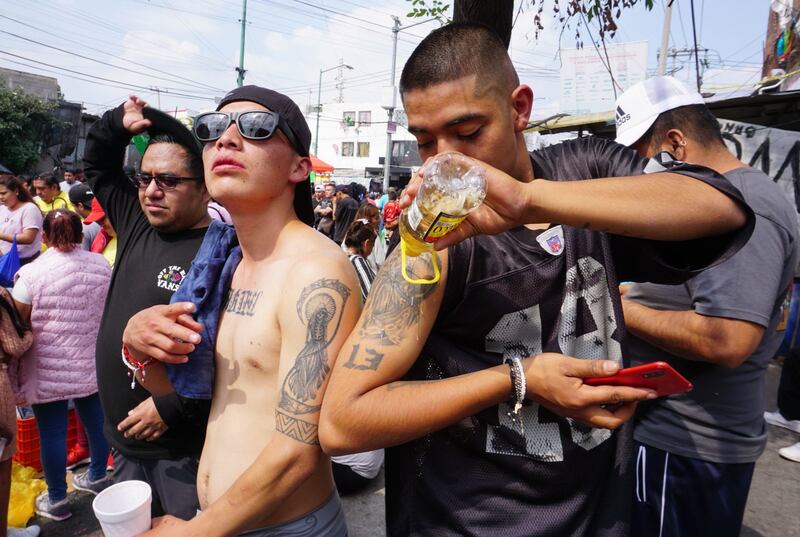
(23, 121)
(570, 14)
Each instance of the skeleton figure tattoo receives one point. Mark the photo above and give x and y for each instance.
(319, 308)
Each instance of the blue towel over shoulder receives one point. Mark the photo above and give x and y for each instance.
(206, 285)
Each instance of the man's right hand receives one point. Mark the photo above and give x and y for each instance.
(133, 120)
(555, 381)
(507, 205)
(164, 332)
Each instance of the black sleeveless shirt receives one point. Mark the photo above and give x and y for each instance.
(512, 294)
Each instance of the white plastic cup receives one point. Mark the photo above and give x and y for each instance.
(124, 509)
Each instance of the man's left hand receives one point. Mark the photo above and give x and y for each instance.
(166, 526)
(143, 422)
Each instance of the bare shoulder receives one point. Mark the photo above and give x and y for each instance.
(318, 262)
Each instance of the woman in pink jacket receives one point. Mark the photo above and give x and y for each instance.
(62, 293)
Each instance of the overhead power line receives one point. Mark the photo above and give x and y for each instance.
(136, 86)
(197, 85)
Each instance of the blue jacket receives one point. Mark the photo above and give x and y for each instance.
(206, 286)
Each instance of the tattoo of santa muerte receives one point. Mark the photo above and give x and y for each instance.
(320, 308)
(393, 304)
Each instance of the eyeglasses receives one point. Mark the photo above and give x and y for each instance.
(252, 125)
(163, 181)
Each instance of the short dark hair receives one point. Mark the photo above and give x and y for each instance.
(63, 229)
(455, 51)
(193, 160)
(49, 179)
(696, 120)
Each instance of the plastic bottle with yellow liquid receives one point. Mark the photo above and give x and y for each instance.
(453, 185)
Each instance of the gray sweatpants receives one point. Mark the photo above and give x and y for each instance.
(173, 482)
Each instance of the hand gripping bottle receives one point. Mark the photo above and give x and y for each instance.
(453, 185)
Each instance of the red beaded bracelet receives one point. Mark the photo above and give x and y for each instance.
(134, 365)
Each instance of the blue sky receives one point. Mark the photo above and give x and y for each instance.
(188, 48)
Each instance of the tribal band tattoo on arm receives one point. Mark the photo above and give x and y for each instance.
(300, 430)
(393, 304)
(320, 309)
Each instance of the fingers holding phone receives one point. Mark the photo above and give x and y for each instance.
(556, 382)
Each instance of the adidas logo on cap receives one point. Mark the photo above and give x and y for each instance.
(621, 116)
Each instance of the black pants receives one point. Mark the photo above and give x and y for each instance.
(173, 482)
(679, 496)
(789, 387)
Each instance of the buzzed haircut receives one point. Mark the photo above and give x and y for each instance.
(695, 120)
(456, 51)
(193, 161)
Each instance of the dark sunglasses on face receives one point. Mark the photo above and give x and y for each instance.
(163, 181)
(252, 125)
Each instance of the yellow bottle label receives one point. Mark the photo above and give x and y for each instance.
(442, 225)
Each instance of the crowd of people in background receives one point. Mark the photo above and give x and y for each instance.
(473, 379)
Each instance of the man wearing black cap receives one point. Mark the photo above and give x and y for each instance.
(81, 197)
(160, 217)
(291, 301)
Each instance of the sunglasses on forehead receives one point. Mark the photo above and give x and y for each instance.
(252, 125)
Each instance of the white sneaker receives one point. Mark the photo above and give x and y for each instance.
(775, 418)
(792, 452)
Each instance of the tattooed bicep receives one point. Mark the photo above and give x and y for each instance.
(320, 308)
(393, 304)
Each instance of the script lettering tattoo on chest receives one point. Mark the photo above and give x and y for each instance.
(242, 302)
(320, 309)
(394, 305)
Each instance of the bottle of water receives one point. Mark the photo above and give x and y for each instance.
(453, 185)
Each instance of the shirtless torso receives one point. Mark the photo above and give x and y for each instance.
(285, 318)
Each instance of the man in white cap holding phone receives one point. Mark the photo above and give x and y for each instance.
(696, 452)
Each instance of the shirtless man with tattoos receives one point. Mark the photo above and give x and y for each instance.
(292, 301)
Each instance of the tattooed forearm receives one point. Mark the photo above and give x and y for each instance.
(300, 430)
(393, 304)
(320, 308)
(242, 302)
(369, 362)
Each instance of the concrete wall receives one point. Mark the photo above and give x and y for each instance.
(44, 87)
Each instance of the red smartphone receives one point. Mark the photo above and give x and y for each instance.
(658, 376)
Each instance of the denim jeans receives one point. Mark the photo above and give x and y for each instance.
(51, 419)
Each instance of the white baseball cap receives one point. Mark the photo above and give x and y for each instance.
(640, 105)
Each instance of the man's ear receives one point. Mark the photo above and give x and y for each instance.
(300, 170)
(675, 141)
(522, 106)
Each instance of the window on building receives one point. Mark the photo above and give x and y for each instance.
(363, 149)
(365, 117)
(405, 153)
(348, 118)
(347, 149)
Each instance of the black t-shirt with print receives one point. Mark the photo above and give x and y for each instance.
(149, 267)
(521, 293)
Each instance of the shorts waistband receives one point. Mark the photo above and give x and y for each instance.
(327, 520)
